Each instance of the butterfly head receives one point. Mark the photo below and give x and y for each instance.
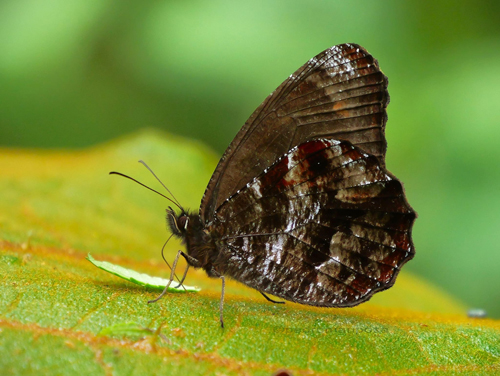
(177, 223)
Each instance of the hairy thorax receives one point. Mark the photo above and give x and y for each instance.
(199, 242)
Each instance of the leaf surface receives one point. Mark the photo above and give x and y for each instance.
(59, 314)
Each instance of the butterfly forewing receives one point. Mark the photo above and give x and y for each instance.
(340, 93)
(325, 225)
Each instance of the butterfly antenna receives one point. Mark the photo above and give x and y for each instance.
(145, 186)
(164, 259)
(164, 186)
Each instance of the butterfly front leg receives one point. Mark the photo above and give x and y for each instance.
(183, 277)
(190, 261)
(172, 274)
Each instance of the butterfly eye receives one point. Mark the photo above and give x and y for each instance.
(182, 222)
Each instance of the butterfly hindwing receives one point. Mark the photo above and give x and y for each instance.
(340, 93)
(324, 225)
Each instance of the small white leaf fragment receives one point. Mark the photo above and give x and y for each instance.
(140, 278)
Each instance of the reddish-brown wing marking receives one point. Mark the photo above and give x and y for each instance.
(326, 225)
(341, 93)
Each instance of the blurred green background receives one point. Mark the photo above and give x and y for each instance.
(76, 73)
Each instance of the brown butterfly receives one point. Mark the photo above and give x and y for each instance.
(301, 205)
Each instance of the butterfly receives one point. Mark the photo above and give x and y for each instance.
(301, 205)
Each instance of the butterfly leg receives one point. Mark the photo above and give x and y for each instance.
(172, 273)
(164, 259)
(221, 303)
(191, 261)
(271, 300)
(183, 278)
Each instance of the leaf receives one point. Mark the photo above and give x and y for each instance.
(132, 330)
(60, 315)
(140, 279)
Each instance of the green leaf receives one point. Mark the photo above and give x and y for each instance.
(132, 330)
(60, 315)
(140, 279)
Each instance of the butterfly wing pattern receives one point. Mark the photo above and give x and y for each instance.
(301, 205)
(326, 225)
(340, 93)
